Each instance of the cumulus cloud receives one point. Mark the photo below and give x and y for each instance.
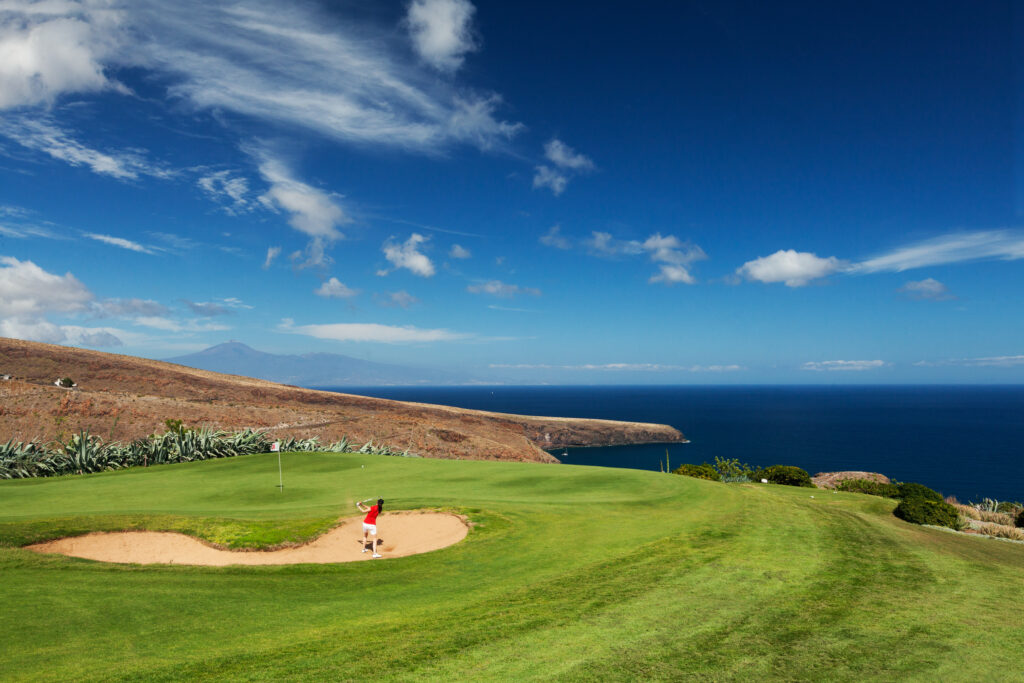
(335, 289)
(228, 190)
(408, 255)
(499, 288)
(793, 268)
(565, 162)
(120, 242)
(545, 176)
(371, 332)
(554, 238)
(272, 253)
(929, 288)
(51, 48)
(673, 255)
(26, 290)
(842, 365)
(442, 32)
(459, 252)
(42, 135)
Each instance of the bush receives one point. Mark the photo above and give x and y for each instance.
(928, 511)
(733, 470)
(870, 487)
(1019, 523)
(909, 489)
(784, 474)
(703, 471)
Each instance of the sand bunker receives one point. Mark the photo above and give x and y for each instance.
(402, 533)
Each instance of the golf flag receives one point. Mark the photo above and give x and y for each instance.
(275, 447)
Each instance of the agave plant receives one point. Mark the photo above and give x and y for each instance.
(87, 453)
(339, 446)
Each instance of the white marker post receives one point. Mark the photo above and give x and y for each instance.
(276, 448)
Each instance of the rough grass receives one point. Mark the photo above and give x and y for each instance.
(572, 573)
(984, 515)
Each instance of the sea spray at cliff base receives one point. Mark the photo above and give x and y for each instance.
(966, 441)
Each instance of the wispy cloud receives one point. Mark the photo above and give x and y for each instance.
(501, 289)
(984, 362)
(312, 211)
(510, 309)
(1007, 245)
(407, 255)
(372, 332)
(843, 365)
(459, 252)
(127, 308)
(229, 190)
(272, 253)
(120, 242)
(672, 254)
(42, 135)
(441, 31)
(206, 309)
(401, 299)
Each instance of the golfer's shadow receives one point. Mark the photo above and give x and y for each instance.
(368, 545)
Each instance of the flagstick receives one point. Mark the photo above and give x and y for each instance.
(280, 474)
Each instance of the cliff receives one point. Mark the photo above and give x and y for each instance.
(123, 398)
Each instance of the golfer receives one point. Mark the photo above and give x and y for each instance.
(370, 523)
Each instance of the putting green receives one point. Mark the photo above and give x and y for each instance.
(569, 572)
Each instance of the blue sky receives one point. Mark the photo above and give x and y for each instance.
(531, 192)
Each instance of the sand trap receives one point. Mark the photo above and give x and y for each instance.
(402, 533)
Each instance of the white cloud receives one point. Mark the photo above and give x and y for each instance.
(459, 252)
(843, 365)
(623, 367)
(169, 325)
(545, 176)
(335, 289)
(26, 290)
(41, 135)
(313, 212)
(371, 332)
(672, 254)
(929, 288)
(1007, 245)
(272, 253)
(49, 48)
(401, 298)
(407, 255)
(554, 238)
(791, 267)
(120, 242)
(499, 288)
(234, 302)
(231, 191)
(441, 31)
(564, 156)
(985, 362)
(510, 309)
(127, 308)
(206, 309)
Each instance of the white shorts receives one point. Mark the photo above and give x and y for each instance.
(370, 528)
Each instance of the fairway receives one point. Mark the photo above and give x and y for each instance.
(569, 573)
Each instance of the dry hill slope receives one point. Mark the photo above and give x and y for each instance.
(122, 398)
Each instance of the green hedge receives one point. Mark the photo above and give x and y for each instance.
(870, 487)
(787, 475)
(926, 511)
(909, 490)
(704, 471)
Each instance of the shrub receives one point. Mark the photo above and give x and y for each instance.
(703, 471)
(909, 489)
(1001, 531)
(870, 487)
(733, 470)
(983, 516)
(784, 474)
(1019, 522)
(919, 510)
(66, 382)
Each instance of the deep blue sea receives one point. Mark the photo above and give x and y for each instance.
(966, 441)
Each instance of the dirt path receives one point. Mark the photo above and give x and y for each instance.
(402, 533)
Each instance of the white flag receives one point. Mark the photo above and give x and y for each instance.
(275, 447)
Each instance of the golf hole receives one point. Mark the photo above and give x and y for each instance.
(400, 533)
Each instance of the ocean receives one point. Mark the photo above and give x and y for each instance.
(966, 441)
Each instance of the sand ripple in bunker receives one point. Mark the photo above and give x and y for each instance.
(402, 533)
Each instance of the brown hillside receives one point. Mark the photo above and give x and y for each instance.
(123, 398)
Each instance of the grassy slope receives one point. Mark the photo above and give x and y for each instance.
(573, 573)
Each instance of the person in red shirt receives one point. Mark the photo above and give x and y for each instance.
(370, 524)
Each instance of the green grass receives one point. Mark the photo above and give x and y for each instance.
(571, 573)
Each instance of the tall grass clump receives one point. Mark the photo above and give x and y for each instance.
(85, 453)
